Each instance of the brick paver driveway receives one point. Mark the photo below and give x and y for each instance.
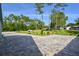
(16, 44)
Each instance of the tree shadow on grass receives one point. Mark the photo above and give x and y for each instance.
(72, 49)
(18, 45)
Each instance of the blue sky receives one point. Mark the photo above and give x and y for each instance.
(28, 9)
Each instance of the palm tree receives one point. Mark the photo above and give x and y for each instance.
(11, 17)
(39, 9)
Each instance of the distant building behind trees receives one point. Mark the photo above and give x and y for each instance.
(73, 26)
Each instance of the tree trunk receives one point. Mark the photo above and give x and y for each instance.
(42, 25)
(42, 19)
(1, 21)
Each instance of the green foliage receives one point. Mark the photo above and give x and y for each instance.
(58, 19)
(66, 32)
(39, 7)
(18, 23)
(32, 25)
(60, 32)
(54, 32)
(73, 32)
(74, 24)
(77, 21)
(71, 24)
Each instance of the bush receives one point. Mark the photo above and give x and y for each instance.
(78, 35)
(57, 32)
(73, 32)
(61, 32)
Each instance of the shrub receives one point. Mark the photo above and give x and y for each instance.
(73, 32)
(48, 32)
(57, 32)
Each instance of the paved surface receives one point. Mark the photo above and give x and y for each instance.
(27, 45)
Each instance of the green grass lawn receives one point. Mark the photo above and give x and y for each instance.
(57, 32)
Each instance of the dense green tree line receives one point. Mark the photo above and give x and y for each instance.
(20, 23)
(76, 23)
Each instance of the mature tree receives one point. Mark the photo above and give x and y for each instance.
(39, 9)
(32, 26)
(40, 23)
(62, 20)
(70, 24)
(11, 17)
(58, 18)
(5, 21)
(24, 19)
(14, 22)
(50, 22)
(16, 19)
(55, 7)
(77, 21)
